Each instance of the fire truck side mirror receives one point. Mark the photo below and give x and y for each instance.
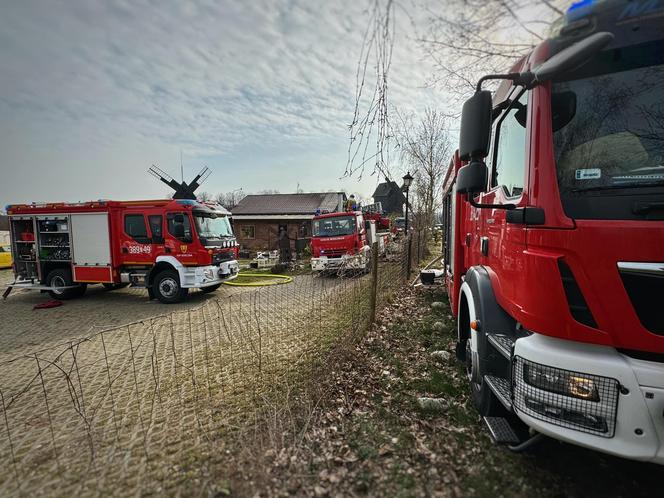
(573, 56)
(476, 126)
(472, 178)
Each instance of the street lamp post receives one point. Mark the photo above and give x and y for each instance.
(407, 181)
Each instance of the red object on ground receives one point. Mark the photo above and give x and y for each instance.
(53, 303)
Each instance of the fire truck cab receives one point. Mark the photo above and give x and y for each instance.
(166, 246)
(340, 241)
(554, 228)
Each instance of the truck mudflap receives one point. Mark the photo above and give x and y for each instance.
(591, 396)
(205, 276)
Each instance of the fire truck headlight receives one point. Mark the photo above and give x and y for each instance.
(558, 381)
(582, 387)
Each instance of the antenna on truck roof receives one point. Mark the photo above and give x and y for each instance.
(182, 190)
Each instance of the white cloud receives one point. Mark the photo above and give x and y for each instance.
(88, 87)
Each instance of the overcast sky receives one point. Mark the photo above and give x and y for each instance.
(92, 94)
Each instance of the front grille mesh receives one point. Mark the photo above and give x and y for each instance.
(592, 417)
(333, 253)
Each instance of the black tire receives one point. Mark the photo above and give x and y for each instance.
(166, 287)
(62, 278)
(111, 287)
(460, 350)
(210, 288)
(485, 401)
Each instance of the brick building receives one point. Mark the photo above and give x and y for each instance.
(257, 219)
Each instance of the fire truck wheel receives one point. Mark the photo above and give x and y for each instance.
(166, 287)
(483, 398)
(62, 278)
(210, 288)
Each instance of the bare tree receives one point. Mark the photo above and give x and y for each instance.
(464, 38)
(204, 196)
(230, 199)
(370, 124)
(426, 147)
(220, 198)
(468, 38)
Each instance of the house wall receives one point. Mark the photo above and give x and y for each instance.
(391, 204)
(266, 233)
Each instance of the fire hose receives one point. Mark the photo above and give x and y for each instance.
(280, 279)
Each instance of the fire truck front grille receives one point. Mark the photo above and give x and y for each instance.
(644, 284)
(333, 253)
(221, 257)
(574, 400)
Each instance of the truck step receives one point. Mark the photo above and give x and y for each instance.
(502, 343)
(501, 388)
(501, 430)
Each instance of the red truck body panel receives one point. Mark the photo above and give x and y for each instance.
(127, 251)
(522, 260)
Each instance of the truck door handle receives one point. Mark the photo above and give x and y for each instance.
(125, 250)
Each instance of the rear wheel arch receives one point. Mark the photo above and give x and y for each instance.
(49, 266)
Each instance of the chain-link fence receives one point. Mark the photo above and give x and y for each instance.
(119, 411)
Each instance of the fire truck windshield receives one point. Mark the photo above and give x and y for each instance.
(608, 121)
(334, 227)
(212, 228)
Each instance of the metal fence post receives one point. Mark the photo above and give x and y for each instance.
(374, 280)
(409, 256)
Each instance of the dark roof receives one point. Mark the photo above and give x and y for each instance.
(389, 188)
(288, 203)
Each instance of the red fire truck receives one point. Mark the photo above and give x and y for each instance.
(167, 246)
(342, 241)
(554, 226)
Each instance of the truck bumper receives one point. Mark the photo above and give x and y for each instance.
(625, 415)
(205, 276)
(355, 262)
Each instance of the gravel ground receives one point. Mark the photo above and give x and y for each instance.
(83, 409)
(25, 330)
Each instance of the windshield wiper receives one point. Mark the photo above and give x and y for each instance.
(620, 186)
